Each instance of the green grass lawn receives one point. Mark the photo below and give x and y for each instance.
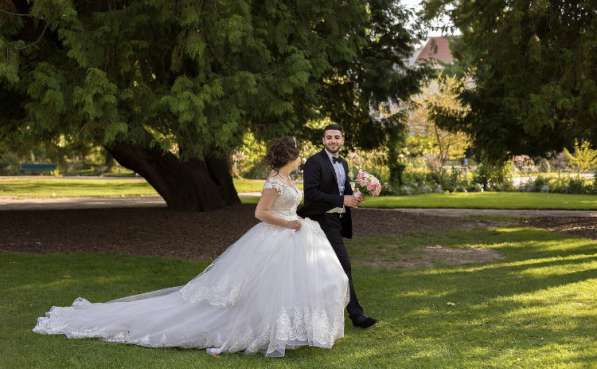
(534, 308)
(73, 187)
(486, 200)
(478, 200)
(248, 185)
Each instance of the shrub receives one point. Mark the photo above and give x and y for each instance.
(448, 182)
(524, 163)
(571, 185)
(424, 188)
(405, 190)
(257, 170)
(559, 185)
(544, 188)
(584, 157)
(503, 187)
(538, 184)
(494, 176)
(9, 164)
(476, 187)
(544, 165)
(577, 185)
(460, 188)
(387, 189)
(413, 177)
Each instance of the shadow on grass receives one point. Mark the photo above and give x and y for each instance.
(533, 309)
(505, 311)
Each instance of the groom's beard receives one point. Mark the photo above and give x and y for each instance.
(329, 149)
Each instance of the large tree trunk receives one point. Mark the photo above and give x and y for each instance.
(194, 184)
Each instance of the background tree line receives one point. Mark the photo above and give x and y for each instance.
(175, 91)
(170, 87)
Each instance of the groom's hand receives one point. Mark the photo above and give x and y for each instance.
(351, 201)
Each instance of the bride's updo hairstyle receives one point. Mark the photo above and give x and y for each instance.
(281, 151)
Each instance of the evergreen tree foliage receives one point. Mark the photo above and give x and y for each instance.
(534, 69)
(170, 86)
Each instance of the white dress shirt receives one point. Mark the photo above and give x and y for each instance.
(339, 169)
(341, 177)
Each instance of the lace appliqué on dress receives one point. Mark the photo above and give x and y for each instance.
(273, 184)
(288, 200)
(216, 291)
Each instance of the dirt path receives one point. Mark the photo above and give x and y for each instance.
(11, 203)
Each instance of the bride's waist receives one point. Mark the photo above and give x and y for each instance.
(285, 214)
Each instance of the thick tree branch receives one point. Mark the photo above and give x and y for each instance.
(41, 35)
(17, 14)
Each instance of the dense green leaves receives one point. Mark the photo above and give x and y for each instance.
(534, 73)
(192, 76)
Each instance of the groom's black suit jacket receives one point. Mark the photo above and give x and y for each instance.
(321, 190)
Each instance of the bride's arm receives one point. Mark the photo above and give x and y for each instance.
(263, 212)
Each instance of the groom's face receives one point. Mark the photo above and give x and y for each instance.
(333, 140)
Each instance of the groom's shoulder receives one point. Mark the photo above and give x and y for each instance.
(314, 157)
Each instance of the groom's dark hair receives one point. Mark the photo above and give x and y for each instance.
(333, 126)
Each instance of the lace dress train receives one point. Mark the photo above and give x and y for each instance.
(273, 289)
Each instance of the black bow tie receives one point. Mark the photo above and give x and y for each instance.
(336, 160)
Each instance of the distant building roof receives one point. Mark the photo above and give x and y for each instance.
(437, 49)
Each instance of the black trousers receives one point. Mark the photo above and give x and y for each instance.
(331, 226)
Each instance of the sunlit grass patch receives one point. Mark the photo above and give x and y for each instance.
(534, 308)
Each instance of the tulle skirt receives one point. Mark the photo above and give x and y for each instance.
(273, 289)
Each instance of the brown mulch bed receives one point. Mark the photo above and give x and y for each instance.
(582, 227)
(163, 232)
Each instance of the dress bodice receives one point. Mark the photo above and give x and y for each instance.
(288, 200)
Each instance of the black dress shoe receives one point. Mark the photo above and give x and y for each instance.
(362, 321)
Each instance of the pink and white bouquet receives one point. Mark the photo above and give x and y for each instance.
(367, 183)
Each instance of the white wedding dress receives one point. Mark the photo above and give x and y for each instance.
(273, 289)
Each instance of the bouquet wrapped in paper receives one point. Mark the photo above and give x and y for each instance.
(367, 183)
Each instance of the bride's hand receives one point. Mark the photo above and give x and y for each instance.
(294, 224)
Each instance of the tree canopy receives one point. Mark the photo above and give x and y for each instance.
(534, 73)
(169, 87)
(444, 145)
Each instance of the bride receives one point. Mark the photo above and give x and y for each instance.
(278, 287)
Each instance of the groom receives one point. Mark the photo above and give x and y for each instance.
(328, 199)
